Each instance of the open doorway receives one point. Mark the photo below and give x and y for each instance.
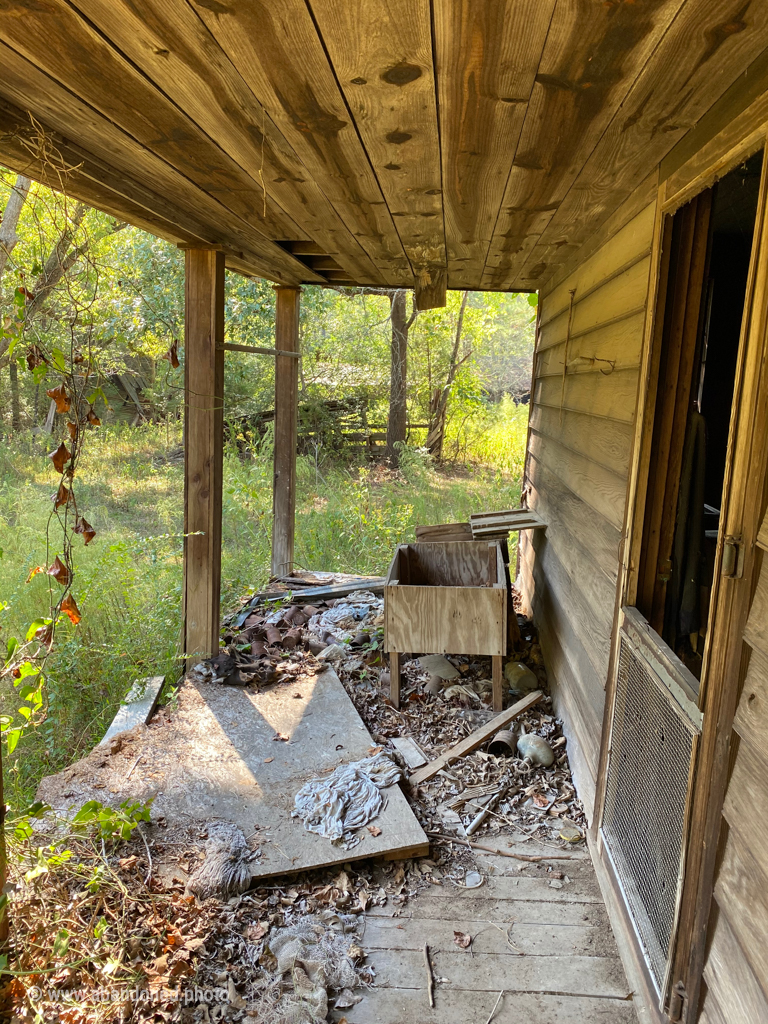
(708, 243)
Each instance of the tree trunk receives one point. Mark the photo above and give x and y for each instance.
(438, 403)
(13, 370)
(10, 219)
(398, 378)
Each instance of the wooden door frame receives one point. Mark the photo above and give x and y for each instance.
(723, 668)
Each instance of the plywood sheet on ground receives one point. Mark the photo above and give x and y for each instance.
(241, 756)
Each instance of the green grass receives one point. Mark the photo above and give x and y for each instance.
(128, 581)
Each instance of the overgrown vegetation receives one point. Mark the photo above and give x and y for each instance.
(129, 579)
(91, 387)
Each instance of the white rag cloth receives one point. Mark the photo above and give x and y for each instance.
(337, 806)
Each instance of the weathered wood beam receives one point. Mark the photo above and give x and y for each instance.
(259, 350)
(203, 449)
(432, 295)
(286, 428)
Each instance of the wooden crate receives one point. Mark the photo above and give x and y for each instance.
(446, 598)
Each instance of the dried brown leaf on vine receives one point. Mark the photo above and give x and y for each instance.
(72, 427)
(35, 571)
(35, 357)
(172, 355)
(60, 572)
(93, 419)
(69, 607)
(84, 527)
(60, 457)
(60, 397)
(44, 635)
(61, 497)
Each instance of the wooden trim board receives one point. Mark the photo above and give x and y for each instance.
(475, 739)
(137, 708)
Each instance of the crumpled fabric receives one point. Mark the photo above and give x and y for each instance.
(315, 955)
(337, 806)
(348, 616)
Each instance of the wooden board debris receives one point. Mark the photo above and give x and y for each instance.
(475, 739)
(411, 751)
(137, 708)
(492, 524)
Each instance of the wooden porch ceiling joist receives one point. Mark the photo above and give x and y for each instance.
(404, 139)
(113, 158)
(705, 49)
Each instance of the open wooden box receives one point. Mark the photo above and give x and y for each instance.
(446, 598)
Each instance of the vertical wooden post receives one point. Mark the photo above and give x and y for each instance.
(203, 449)
(497, 680)
(394, 678)
(286, 428)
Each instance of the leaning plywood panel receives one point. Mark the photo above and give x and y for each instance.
(241, 756)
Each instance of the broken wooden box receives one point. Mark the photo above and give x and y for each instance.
(446, 598)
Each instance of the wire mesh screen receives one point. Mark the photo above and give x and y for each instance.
(652, 744)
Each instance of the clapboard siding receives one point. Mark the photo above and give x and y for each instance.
(617, 343)
(583, 407)
(736, 970)
(608, 442)
(589, 393)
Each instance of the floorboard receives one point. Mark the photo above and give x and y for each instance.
(549, 949)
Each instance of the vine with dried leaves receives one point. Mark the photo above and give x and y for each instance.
(64, 290)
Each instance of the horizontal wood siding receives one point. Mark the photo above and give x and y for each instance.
(578, 460)
(736, 970)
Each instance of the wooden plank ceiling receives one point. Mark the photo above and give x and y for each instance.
(380, 143)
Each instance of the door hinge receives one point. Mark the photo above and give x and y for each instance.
(678, 1000)
(733, 558)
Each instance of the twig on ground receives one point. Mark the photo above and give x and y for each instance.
(149, 856)
(130, 773)
(495, 1007)
(430, 978)
(520, 856)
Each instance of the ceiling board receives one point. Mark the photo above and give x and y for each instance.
(381, 52)
(706, 49)
(276, 48)
(53, 37)
(114, 158)
(487, 53)
(594, 52)
(172, 46)
(394, 138)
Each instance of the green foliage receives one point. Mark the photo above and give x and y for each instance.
(109, 822)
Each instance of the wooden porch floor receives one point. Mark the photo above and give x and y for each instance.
(567, 970)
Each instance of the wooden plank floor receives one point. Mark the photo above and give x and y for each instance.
(567, 970)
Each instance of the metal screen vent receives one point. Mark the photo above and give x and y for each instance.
(644, 824)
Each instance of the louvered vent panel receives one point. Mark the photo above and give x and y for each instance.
(644, 818)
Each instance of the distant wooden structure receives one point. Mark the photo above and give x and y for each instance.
(607, 155)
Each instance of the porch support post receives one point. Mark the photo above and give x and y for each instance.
(203, 449)
(286, 428)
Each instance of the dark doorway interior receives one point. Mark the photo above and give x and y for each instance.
(710, 245)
